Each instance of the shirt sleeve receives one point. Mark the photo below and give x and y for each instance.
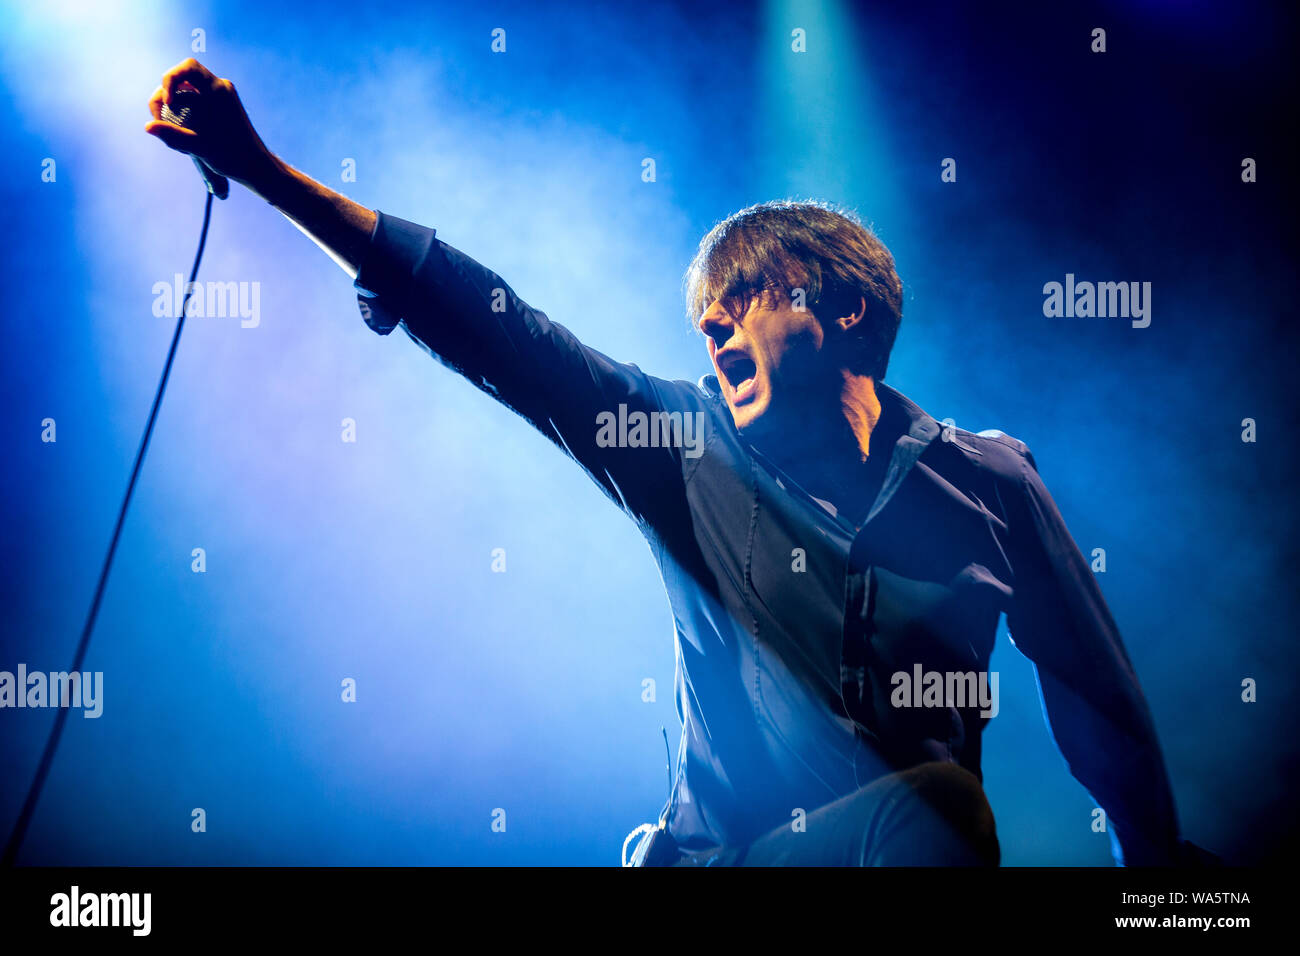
(470, 320)
(1092, 700)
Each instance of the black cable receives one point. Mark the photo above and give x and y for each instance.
(61, 713)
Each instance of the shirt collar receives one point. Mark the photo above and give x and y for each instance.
(920, 430)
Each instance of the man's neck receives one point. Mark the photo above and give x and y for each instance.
(860, 406)
(826, 452)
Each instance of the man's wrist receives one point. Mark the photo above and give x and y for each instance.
(269, 179)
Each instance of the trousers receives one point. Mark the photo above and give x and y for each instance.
(933, 814)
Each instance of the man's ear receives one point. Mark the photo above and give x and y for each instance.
(846, 322)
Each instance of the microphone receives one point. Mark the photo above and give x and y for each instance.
(217, 184)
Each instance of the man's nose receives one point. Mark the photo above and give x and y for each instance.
(717, 324)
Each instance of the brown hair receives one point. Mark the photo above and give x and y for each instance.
(777, 247)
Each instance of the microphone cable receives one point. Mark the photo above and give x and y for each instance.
(61, 713)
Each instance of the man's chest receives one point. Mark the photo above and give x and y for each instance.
(922, 581)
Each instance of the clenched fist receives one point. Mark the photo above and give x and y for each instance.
(220, 133)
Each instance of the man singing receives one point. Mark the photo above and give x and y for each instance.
(826, 545)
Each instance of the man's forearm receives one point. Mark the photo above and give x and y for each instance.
(334, 222)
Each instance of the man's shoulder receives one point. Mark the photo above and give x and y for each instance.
(991, 451)
(995, 445)
(704, 395)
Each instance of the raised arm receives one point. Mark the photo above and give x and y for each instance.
(463, 314)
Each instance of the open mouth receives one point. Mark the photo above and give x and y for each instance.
(740, 373)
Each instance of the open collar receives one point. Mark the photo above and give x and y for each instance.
(919, 430)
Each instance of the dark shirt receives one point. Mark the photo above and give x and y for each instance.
(792, 618)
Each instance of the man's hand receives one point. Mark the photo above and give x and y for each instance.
(223, 138)
(222, 135)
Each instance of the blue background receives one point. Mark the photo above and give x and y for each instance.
(372, 560)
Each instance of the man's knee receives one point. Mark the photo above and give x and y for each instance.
(942, 817)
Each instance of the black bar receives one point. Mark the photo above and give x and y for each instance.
(479, 905)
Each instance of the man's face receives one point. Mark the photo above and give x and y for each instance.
(769, 362)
